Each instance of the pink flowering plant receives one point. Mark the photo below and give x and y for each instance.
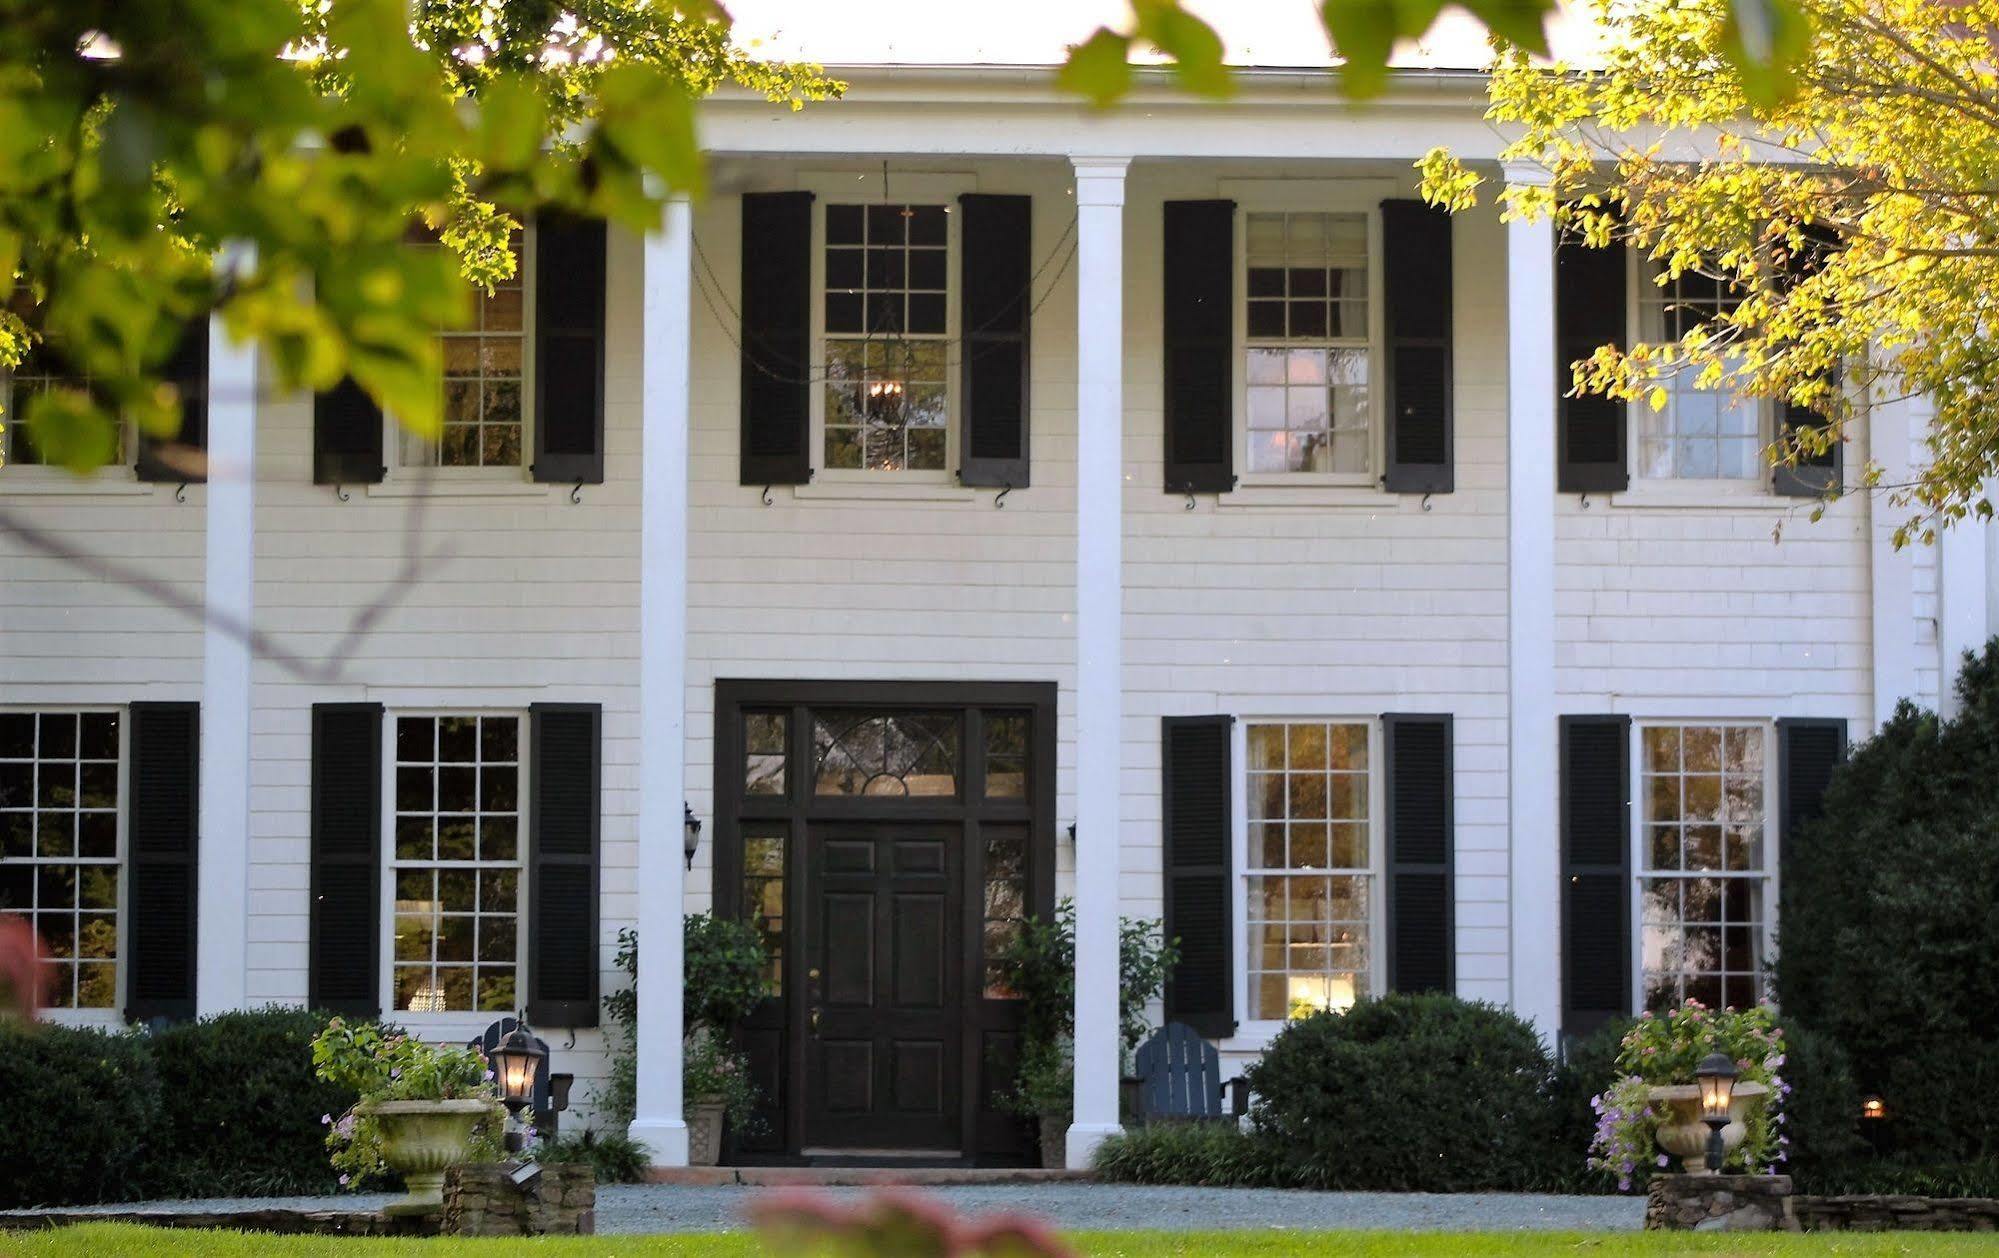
(384, 1064)
(1661, 1050)
(714, 1070)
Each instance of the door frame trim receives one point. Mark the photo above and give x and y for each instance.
(731, 808)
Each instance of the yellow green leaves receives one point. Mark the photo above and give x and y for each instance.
(1099, 68)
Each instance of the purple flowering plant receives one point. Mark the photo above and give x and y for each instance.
(383, 1064)
(1664, 1049)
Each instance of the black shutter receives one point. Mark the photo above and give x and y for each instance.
(1818, 474)
(162, 889)
(777, 338)
(569, 349)
(1195, 821)
(1421, 918)
(1596, 866)
(346, 436)
(187, 371)
(1416, 284)
(1589, 312)
(1815, 475)
(563, 808)
(1199, 346)
(997, 269)
(344, 974)
(1808, 750)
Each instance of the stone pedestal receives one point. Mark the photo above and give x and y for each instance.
(1720, 1203)
(481, 1200)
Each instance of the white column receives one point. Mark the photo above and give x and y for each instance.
(1533, 825)
(1891, 572)
(222, 939)
(1099, 642)
(1961, 595)
(663, 410)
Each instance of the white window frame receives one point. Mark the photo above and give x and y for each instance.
(1293, 196)
(1640, 276)
(452, 1021)
(397, 471)
(1262, 1030)
(900, 188)
(121, 474)
(114, 1016)
(1640, 853)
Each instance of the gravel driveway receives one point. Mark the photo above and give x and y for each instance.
(1110, 1207)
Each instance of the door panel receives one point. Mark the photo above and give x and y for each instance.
(883, 1023)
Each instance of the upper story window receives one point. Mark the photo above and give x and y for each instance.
(886, 321)
(1308, 881)
(1700, 434)
(455, 863)
(40, 371)
(60, 845)
(1704, 852)
(1308, 344)
(485, 378)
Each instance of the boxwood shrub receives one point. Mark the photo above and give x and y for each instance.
(1409, 1093)
(83, 1115)
(239, 1098)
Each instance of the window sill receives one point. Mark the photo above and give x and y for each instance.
(1321, 497)
(451, 487)
(886, 491)
(1720, 497)
(106, 483)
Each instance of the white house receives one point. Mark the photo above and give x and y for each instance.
(973, 500)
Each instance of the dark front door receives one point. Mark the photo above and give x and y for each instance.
(883, 1002)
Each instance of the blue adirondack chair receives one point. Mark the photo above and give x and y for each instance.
(1180, 1079)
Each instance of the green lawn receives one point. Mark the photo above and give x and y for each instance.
(110, 1239)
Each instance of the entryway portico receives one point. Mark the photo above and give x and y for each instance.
(921, 123)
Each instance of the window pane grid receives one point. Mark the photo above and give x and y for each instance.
(41, 371)
(1308, 868)
(1700, 434)
(763, 895)
(1702, 861)
(484, 379)
(457, 867)
(59, 858)
(886, 319)
(1005, 909)
(1308, 330)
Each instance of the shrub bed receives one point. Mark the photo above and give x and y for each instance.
(224, 1106)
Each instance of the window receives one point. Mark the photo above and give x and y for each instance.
(763, 893)
(1308, 873)
(1704, 855)
(59, 845)
(885, 753)
(1701, 434)
(485, 377)
(1308, 344)
(886, 319)
(456, 863)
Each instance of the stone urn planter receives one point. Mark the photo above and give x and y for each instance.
(1685, 1136)
(420, 1139)
(1054, 1141)
(704, 1130)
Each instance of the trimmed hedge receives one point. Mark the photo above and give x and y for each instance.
(239, 1096)
(83, 1115)
(221, 1107)
(1409, 1093)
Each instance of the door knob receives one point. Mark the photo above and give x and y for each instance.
(813, 972)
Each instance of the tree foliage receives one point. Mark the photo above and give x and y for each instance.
(1855, 216)
(1762, 42)
(299, 138)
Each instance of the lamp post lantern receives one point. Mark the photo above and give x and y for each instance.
(1716, 1075)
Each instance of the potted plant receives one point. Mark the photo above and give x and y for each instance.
(421, 1108)
(1040, 962)
(1652, 1112)
(727, 972)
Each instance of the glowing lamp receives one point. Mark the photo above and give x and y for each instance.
(1716, 1076)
